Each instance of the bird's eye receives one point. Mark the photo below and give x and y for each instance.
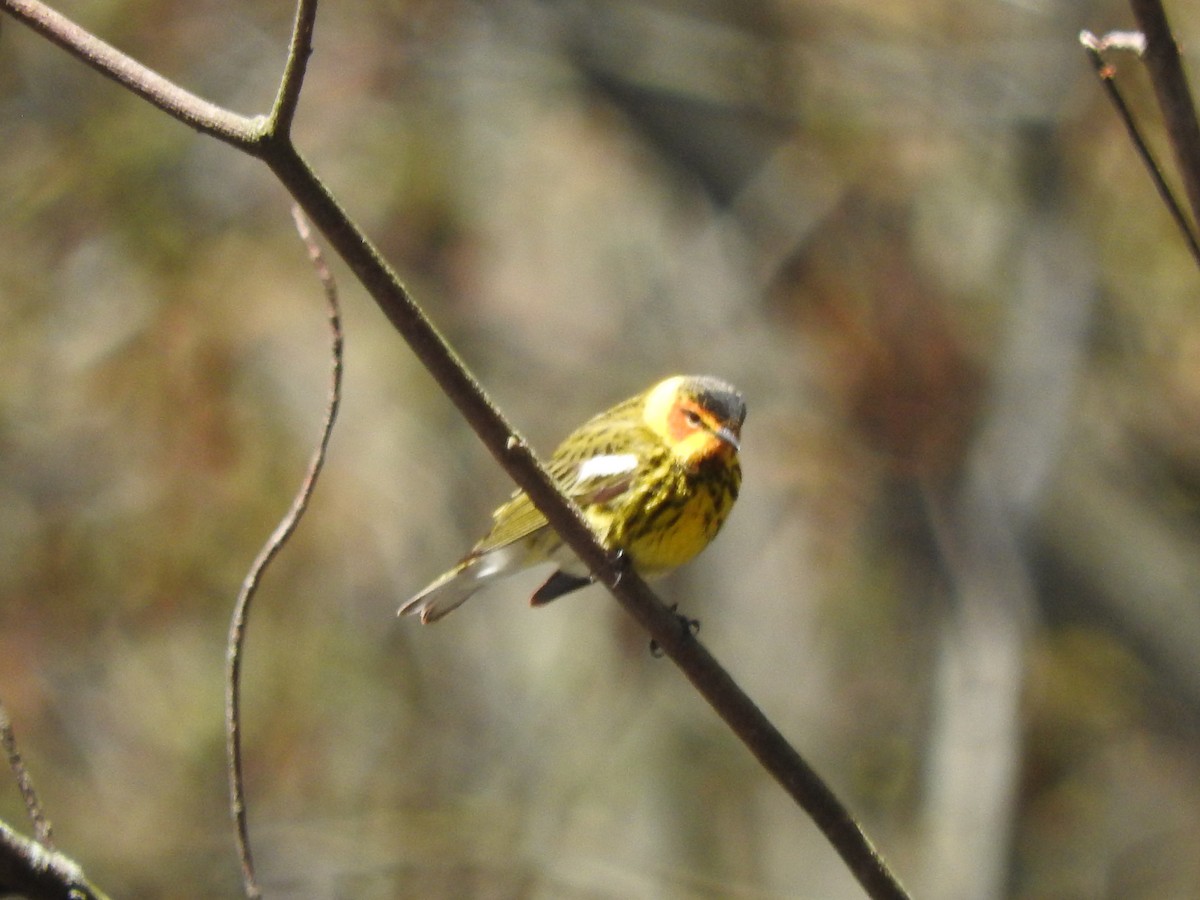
(692, 418)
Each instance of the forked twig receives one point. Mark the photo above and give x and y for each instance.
(283, 531)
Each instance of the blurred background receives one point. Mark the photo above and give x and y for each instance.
(963, 574)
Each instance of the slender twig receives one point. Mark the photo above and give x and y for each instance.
(283, 531)
(1165, 68)
(41, 825)
(1106, 72)
(279, 126)
(288, 98)
(515, 456)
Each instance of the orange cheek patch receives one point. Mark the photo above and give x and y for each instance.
(690, 443)
(678, 427)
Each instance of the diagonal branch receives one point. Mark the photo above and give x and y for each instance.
(1106, 72)
(1174, 96)
(709, 678)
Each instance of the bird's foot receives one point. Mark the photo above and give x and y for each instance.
(690, 626)
(619, 562)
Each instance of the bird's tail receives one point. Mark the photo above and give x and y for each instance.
(455, 587)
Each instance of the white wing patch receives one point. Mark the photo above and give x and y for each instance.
(606, 466)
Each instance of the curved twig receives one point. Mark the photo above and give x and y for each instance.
(283, 531)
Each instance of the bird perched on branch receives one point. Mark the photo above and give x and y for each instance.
(655, 477)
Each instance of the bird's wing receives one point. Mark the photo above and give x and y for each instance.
(595, 479)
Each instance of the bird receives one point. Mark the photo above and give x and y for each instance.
(655, 476)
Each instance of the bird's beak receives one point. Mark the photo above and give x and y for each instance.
(727, 435)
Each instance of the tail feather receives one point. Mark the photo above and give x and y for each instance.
(447, 593)
(455, 587)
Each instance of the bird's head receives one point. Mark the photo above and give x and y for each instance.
(699, 417)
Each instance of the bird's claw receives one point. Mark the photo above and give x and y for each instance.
(690, 626)
(620, 565)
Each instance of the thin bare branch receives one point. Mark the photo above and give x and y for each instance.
(193, 111)
(41, 825)
(292, 83)
(278, 538)
(1174, 96)
(1106, 72)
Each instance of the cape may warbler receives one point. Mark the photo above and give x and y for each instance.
(655, 476)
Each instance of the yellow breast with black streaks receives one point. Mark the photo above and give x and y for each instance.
(675, 515)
